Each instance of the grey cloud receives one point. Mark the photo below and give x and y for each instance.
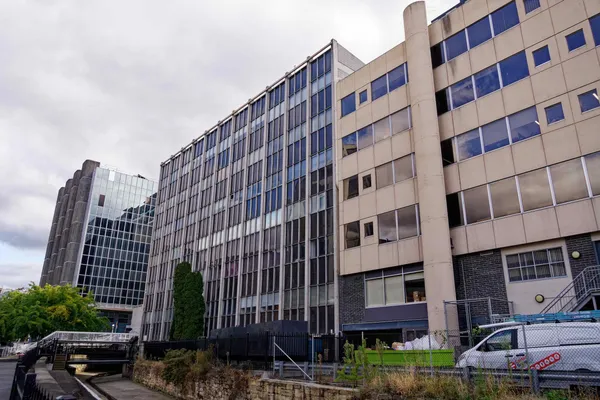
(18, 275)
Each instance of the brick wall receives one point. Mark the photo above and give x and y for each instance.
(352, 298)
(584, 245)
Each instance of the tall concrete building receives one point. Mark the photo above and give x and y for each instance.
(100, 238)
(478, 177)
(251, 204)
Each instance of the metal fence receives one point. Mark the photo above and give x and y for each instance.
(25, 386)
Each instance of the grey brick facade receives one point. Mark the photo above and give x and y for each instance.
(584, 245)
(352, 298)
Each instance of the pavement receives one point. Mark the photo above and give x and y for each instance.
(7, 373)
(119, 388)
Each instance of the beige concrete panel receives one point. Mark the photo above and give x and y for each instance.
(349, 166)
(366, 104)
(435, 32)
(404, 193)
(367, 205)
(576, 218)
(567, 13)
(385, 199)
(518, 96)
(548, 84)
(347, 125)
(561, 144)
(362, 77)
(459, 68)
(366, 159)
(566, 106)
(472, 173)
(554, 56)
(465, 118)
(395, 57)
(383, 152)
(480, 237)
(363, 116)
(482, 56)
(369, 258)
(541, 225)
(490, 107)
(508, 43)
(398, 99)
(452, 178)
(401, 144)
(440, 77)
(446, 124)
(388, 255)
(592, 7)
(575, 106)
(473, 11)
(596, 204)
(581, 70)
(459, 240)
(565, 54)
(493, 5)
(378, 67)
(409, 251)
(380, 108)
(351, 210)
(351, 261)
(509, 231)
(499, 164)
(345, 87)
(537, 28)
(453, 22)
(528, 155)
(587, 133)
(372, 189)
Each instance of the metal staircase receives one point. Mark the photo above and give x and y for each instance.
(579, 294)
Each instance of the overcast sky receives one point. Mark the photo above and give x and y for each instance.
(129, 82)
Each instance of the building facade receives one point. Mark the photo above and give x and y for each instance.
(251, 204)
(468, 163)
(100, 238)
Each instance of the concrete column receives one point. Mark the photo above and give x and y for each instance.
(51, 236)
(54, 278)
(66, 233)
(435, 235)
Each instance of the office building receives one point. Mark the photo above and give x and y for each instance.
(468, 163)
(100, 238)
(251, 204)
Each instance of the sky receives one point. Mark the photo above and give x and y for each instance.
(128, 83)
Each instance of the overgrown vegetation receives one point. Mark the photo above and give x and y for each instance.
(356, 367)
(188, 303)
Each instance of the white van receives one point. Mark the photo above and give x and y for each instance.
(566, 346)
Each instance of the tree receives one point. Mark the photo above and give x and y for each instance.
(188, 307)
(39, 311)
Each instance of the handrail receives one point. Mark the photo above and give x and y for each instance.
(586, 282)
(290, 358)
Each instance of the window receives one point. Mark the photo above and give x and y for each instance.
(494, 135)
(487, 81)
(568, 181)
(364, 137)
(468, 145)
(505, 18)
(101, 200)
(462, 93)
(403, 169)
(394, 286)
(456, 45)
(381, 129)
(479, 32)
(442, 102)
(353, 234)
(524, 124)
(455, 213)
(531, 5)
(350, 187)
(368, 229)
(595, 25)
(514, 68)
(537, 264)
(379, 87)
(588, 100)
(362, 97)
(394, 290)
(592, 162)
(366, 180)
(348, 104)
(477, 206)
(501, 341)
(374, 292)
(437, 55)
(541, 56)
(387, 227)
(554, 113)
(535, 190)
(349, 144)
(384, 175)
(575, 40)
(505, 199)
(400, 120)
(397, 77)
(447, 152)
(407, 222)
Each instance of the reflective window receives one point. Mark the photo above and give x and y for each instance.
(456, 45)
(524, 124)
(595, 25)
(568, 181)
(477, 206)
(397, 77)
(531, 5)
(387, 227)
(462, 92)
(407, 222)
(494, 135)
(350, 187)
(514, 68)
(592, 162)
(505, 18)
(381, 129)
(588, 100)
(575, 40)
(437, 55)
(368, 229)
(348, 104)
(362, 97)
(400, 121)
(487, 81)
(479, 32)
(374, 289)
(403, 168)
(541, 56)
(535, 190)
(505, 199)
(455, 211)
(554, 113)
(364, 137)
(468, 145)
(352, 232)
(536, 265)
(384, 175)
(394, 290)
(379, 87)
(349, 144)
(366, 181)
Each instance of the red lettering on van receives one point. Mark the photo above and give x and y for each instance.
(546, 362)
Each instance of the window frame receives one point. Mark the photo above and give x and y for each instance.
(545, 51)
(347, 100)
(594, 94)
(578, 34)
(360, 97)
(531, 253)
(382, 275)
(551, 108)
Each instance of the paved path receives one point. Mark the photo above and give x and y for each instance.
(7, 373)
(122, 388)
